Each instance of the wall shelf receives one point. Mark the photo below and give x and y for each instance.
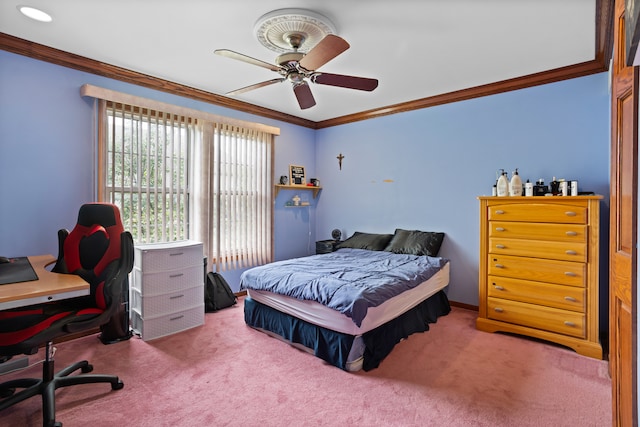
(315, 190)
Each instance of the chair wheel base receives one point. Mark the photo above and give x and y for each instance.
(15, 391)
(7, 392)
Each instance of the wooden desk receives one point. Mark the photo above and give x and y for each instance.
(49, 286)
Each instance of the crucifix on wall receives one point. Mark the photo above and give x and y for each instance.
(340, 157)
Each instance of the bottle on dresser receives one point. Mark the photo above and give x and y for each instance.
(515, 187)
(503, 185)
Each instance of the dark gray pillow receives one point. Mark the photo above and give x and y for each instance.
(369, 241)
(415, 242)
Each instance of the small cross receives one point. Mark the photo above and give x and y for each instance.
(340, 157)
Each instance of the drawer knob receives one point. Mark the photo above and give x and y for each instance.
(176, 254)
(176, 296)
(567, 323)
(499, 266)
(498, 287)
(499, 229)
(177, 317)
(499, 309)
(500, 246)
(499, 212)
(570, 213)
(571, 233)
(570, 274)
(173, 276)
(570, 252)
(572, 299)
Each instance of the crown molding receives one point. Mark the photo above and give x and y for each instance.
(77, 62)
(603, 48)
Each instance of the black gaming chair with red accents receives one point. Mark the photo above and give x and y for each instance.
(101, 252)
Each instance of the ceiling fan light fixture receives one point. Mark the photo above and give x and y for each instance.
(281, 29)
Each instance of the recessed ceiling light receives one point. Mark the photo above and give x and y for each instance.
(33, 13)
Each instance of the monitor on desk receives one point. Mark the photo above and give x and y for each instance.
(18, 269)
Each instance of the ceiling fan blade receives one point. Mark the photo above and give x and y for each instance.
(304, 95)
(255, 86)
(244, 58)
(350, 82)
(327, 49)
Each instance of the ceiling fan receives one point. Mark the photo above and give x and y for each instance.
(300, 68)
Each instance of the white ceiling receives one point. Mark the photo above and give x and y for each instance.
(415, 48)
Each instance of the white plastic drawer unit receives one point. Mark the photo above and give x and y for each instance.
(167, 288)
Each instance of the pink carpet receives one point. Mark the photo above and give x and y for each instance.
(226, 374)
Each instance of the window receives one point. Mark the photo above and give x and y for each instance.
(234, 189)
(147, 167)
(179, 174)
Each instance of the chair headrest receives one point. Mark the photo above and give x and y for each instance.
(95, 240)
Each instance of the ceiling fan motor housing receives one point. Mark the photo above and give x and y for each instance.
(289, 58)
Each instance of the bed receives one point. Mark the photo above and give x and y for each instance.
(350, 307)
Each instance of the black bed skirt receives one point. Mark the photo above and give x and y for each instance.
(333, 347)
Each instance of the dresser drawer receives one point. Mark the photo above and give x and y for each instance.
(156, 327)
(558, 296)
(155, 305)
(168, 256)
(539, 231)
(536, 316)
(534, 212)
(567, 251)
(163, 282)
(537, 269)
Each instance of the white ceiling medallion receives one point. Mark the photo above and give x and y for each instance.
(274, 29)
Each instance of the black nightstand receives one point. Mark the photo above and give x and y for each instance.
(326, 246)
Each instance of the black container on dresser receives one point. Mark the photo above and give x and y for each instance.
(326, 246)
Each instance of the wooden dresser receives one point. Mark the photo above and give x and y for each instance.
(539, 269)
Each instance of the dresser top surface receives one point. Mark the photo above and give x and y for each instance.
(543, 199)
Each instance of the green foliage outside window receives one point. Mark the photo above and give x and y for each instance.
(147, 175)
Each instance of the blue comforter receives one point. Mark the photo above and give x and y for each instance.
(348, 280)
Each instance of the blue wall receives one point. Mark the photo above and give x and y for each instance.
(46, 156)
(417, 170)
(424, 169)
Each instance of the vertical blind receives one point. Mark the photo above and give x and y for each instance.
(178, 173)
(235, 182)
(147, 171)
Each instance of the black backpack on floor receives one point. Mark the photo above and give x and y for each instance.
(217, 293)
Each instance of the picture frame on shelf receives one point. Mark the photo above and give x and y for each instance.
(297, 175)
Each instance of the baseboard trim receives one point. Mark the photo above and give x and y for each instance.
(463, 305)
